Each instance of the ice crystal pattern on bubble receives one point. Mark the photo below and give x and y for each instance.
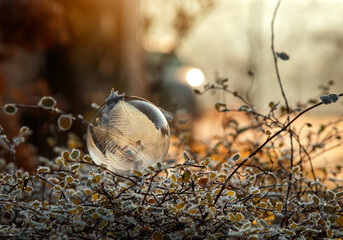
(128, 133)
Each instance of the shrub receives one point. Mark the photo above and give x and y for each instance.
(234, 189)
(268, 190)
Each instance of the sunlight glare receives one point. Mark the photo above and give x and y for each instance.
(195, 77)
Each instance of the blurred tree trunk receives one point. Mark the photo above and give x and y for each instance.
(104, 52)
(131, 51)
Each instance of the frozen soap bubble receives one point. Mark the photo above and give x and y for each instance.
(128, 133)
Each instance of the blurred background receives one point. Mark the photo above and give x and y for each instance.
(78, 50)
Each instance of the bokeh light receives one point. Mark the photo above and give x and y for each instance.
(195, 77)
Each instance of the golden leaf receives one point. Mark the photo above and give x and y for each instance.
(339, 221)
(231, 193)
(157, 236)
(279, 206)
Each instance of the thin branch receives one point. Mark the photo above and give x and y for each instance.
(54, 110)
(276, 59)
(11, 148)
(106, 169)
(261, 146)
(289, 184)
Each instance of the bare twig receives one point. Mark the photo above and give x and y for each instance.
(261, 146)
(106, 169)
(276, 59)
(11, 148)
(289, 183)
(54, 110)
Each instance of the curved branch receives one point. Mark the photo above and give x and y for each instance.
(261, 146)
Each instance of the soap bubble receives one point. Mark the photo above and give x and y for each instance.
(128, 133)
